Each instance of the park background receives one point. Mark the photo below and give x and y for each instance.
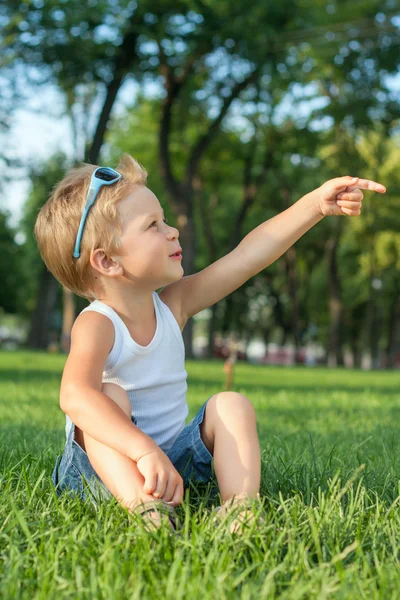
(236, 109)
(236, 112)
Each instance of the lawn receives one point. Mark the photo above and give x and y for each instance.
(330, 448)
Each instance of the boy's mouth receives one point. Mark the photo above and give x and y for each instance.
(177, 253)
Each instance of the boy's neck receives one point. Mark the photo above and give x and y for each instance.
(135, 308)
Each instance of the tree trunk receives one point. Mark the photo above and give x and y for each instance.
(187, 239)
(228, 312)
(39, 333)
(112, 91)
(266, 338)
(335, 355)
(374, 332)
(372, 328)
(249, 196)
(355, 327)
(356, 352)
(68, 319)
(393, 331)
(289, 259)
(211, 331)
(279, 316)
(290, 263)
(205, 212)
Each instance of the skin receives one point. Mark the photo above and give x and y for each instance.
(142, 264)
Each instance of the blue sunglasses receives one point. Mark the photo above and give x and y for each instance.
(101, 176)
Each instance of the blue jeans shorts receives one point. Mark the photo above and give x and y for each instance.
(188, 454)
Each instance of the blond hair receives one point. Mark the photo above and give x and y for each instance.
(58, 220)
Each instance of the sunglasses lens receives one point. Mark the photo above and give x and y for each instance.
(106, 174)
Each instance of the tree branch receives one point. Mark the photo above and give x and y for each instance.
(205, 140)
(173, 86)
(123, 61)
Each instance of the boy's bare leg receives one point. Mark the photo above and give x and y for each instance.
(229, 431)
(119, 473)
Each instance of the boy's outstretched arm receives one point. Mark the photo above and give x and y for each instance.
(267, 242)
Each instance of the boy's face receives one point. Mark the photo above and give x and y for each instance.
(147, 242)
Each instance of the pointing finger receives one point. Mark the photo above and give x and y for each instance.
(341, 183)
(367, 184)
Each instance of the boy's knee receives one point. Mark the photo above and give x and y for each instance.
(234, 402)
(120, 397)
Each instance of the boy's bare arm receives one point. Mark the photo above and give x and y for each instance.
(266, 243)
(336, 197)
(81, 397)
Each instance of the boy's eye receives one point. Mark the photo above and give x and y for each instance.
(155, 222)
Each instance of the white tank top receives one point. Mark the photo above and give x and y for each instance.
(153, 376)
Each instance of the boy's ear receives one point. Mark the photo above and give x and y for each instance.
(105, 264)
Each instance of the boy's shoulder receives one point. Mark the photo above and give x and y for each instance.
(168, 297)
(92, 339)
(93, 329)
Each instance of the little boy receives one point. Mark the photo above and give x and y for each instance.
(103, 235)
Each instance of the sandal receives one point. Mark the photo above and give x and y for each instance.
(238, 513)
(162, 508)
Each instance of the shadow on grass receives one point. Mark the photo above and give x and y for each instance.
(285, 386)
(24, 376)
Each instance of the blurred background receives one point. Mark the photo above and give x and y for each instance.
(236, 110)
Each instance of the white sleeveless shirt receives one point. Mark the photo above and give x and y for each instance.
(153, 376)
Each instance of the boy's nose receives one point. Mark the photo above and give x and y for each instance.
(173, 232)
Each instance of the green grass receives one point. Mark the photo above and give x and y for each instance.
(330, 448)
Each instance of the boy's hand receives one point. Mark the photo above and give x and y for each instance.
(343, 195)
(162, 480)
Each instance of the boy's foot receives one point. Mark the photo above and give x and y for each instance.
(239, 513)
(155, 511)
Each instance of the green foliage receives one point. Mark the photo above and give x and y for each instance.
(135, 131)
(322, 82)
(43, 179)
(370, 245)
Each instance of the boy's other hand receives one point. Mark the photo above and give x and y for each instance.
(343, 195)
(162, 480)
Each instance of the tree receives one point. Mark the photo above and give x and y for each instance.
(41, 289)
(173, 41)
(211, 62)
(372, 244)
(9, 267)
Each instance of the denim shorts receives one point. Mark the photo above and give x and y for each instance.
(188, 454)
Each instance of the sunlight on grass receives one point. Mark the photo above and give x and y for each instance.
(330, 485)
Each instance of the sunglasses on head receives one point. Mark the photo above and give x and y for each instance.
(101, 176)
